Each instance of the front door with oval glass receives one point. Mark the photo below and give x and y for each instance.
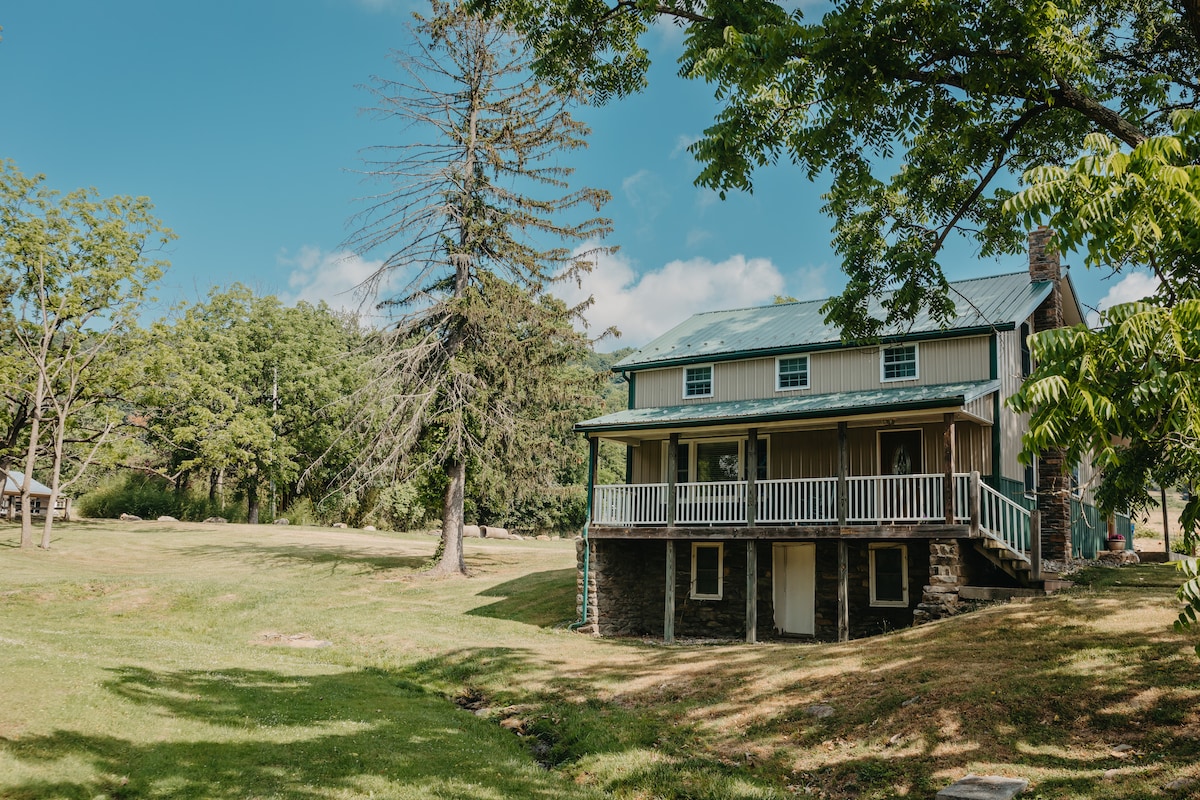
(794, 572)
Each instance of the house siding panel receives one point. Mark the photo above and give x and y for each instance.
(856, 369)
(1008, 363)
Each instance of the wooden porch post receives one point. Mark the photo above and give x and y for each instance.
(672, 475)
(973, 500)
(593, 459)
(751, 477)
(843, 485)
(843, 501)
(669, 606)
(948, 467)
(843, 591)
(751, 591)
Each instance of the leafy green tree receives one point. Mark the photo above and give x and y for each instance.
(1128, 391)
(245, 390)
(476, 373)
(76, 269)
(919, 114)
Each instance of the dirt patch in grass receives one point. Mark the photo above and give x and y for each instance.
(303, 641)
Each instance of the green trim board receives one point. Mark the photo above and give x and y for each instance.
(836, 404)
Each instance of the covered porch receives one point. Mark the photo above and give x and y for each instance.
(846, 472)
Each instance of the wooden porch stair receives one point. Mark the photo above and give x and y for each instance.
(1007, 560)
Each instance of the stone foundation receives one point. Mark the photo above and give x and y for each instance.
(626, 594)
(947, 574)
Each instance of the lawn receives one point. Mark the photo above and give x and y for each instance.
(173, 660)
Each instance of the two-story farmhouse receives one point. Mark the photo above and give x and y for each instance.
(782, 483)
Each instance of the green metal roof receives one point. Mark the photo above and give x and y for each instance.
(793, 406)
(1000, 301)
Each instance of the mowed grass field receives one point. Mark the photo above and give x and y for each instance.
(173, 660)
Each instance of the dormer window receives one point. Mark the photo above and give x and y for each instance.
(898, 363)
(698, 381)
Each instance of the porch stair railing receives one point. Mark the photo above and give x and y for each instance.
(1005, 529)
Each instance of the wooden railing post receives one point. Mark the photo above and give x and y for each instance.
(948, 467)
(672, 476)
(751, 477)
(843, 487)
(973, 500)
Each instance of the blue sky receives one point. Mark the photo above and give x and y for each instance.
(241, 120)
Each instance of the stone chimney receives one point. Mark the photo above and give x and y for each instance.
(1053, 481)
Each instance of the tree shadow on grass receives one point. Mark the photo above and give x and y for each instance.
(544, 599)
(362, 733)
(358, 560)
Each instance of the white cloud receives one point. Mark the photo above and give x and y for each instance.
(682, 143)
(646, 193)
(1134, 286)
(697, 235)
(644, 306)
(330, 276)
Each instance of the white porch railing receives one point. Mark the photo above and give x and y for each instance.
(896, 498)
(1003, 519)
(873, 499)
(711, 502)
(798, 500)
(630, 504)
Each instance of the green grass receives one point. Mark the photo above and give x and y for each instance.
(175, 660)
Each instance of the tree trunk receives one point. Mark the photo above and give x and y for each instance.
(451, 562)
(252, 503)
(27, 483)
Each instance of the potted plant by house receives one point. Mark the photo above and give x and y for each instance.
(1116, 542)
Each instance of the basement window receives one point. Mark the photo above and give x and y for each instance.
(708, 574)
(889, 575)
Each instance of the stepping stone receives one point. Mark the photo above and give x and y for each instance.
(983, 787)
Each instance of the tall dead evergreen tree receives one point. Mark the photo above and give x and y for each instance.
(476, 371)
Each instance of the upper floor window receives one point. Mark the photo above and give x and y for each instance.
(791, 373)
(898, 363)
(698, 381)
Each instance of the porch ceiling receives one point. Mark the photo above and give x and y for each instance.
(793, 407)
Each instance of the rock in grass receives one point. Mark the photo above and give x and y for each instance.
(368, 527)
(338, 525)
(983, 787)
(820, 711)
(217, 520)
(282, 521)
(130, 518)
(167, 518)
(1181, 784)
